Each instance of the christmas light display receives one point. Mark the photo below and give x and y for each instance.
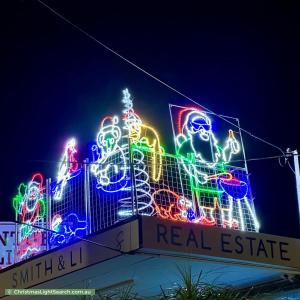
(201, 187)
(131, 173)
(67, 169)
(67, 229)
(222, 199)
(30, 208)
(111, 177)
(142, 135)
(195, 137)
(142, 193)
(180, 209)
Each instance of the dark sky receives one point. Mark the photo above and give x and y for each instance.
(237, 60)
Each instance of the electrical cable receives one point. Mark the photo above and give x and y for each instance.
(290, 166)
(286, 155)
(157, 79)
(78, 237)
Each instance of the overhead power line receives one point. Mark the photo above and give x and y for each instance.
(286, 155)
(157, 79)
(76, 236)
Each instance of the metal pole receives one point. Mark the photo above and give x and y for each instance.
(135, 207)
(87, 198)
(242, 144)
(49, 210)
(16, 242)
(297, 175)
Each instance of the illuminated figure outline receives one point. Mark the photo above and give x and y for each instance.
(148, 159)
(30, 208)
(67, 169)
(107, 147)
(198, 124)
(142, 135)
(142, 186)
(183, 207)
(239, 195)
(66, 228)
(133, 126)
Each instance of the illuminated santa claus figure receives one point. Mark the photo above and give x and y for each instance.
(30, 211)
(200, 154)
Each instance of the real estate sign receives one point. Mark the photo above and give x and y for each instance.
(246, 247)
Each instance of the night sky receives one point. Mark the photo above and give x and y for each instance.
(238, 61)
